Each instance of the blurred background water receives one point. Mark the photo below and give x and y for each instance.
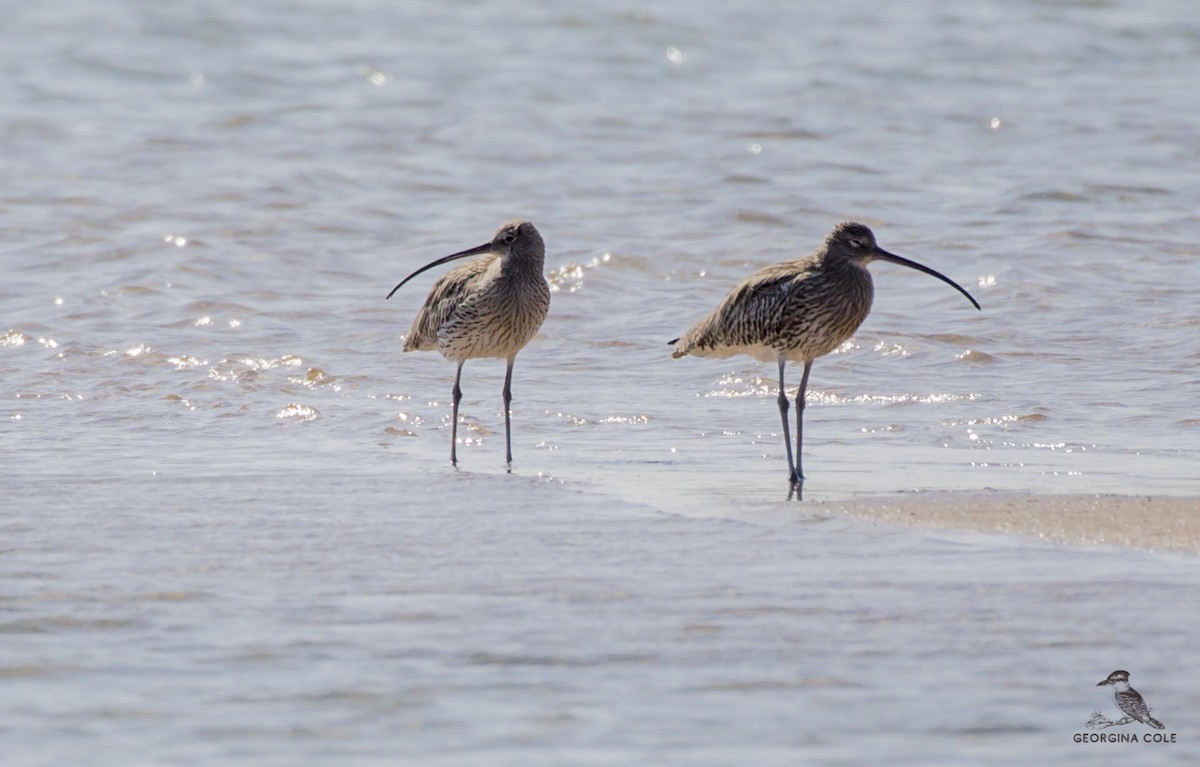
(231, 532)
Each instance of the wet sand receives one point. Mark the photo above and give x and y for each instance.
(1141, 522)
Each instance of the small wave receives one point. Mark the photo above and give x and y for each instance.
(973, 355)
(626, 419)
(63, 623)
(755, 217)
(996, 420)
(569, 277)
(1054, 195)
(297, 412)
(508, 659)
(13, 338)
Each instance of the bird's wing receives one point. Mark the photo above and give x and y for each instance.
(450, 291)
(750, 314)
(1132, 703)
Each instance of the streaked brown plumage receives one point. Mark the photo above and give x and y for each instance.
(798, 310)
(489, 307)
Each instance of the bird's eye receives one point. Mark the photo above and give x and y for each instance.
(856, 243)
(510, 237)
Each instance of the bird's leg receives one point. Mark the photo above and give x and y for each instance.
(783, 413)
(508, 414)
(457, 393)
(801, 396)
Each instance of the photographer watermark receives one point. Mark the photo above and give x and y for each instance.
(1133, 710)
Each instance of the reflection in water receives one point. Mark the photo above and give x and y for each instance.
(796, 490)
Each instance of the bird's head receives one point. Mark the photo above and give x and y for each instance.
(516, 239)
(519, 238)
(855, 243)
(1115, 677)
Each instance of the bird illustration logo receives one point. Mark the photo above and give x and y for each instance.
(1129, 700)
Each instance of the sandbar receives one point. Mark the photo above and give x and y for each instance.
(1152, 523)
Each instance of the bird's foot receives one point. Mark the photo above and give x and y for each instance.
(1099, 721)
(796, 488)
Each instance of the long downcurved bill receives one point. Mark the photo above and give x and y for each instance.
(484, 248)
(883, 255)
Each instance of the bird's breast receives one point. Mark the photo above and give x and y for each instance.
(823, 314)
(497, 321)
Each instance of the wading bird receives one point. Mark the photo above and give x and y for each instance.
(490, 307)
(798, 310)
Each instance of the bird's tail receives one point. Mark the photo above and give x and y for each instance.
(678, 352)
(1155, 723)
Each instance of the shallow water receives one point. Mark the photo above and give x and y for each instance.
(232, 533)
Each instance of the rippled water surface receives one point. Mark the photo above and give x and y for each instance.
(231, 531)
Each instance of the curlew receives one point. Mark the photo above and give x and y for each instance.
(489, 307)
(798, 310)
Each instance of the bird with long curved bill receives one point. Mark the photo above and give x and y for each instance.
(489, 307)
(797, 311)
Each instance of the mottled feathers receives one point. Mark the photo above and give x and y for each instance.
(800, 309)
(489, 307)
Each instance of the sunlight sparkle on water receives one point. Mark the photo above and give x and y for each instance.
(297, 412)
(376, 77)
